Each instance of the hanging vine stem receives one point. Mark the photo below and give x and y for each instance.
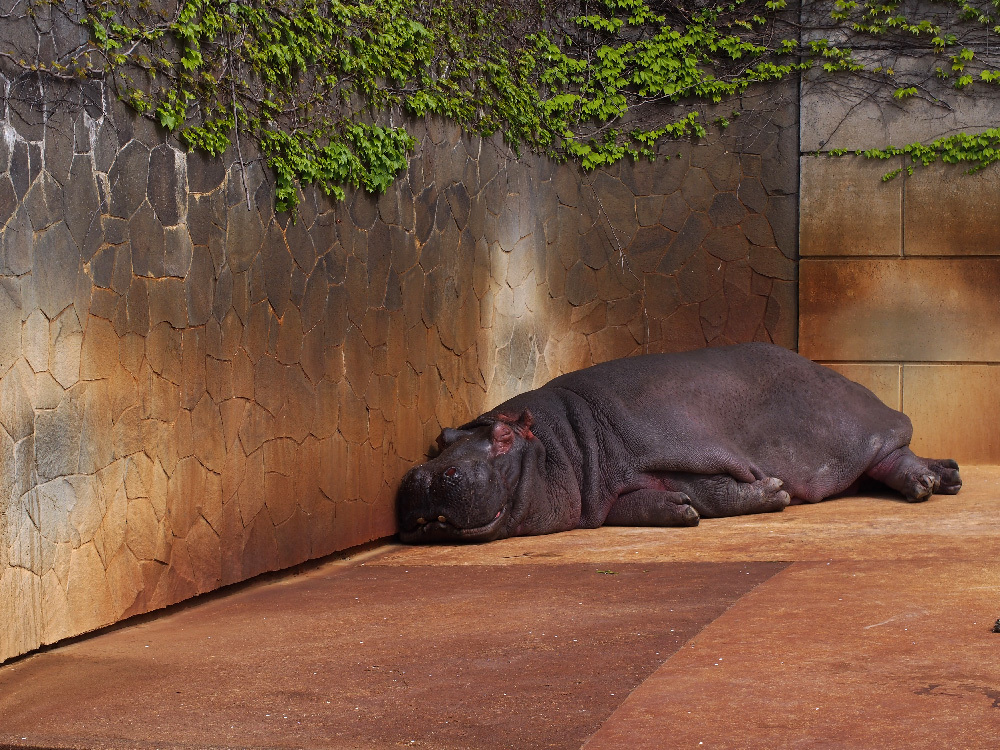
(236, 129)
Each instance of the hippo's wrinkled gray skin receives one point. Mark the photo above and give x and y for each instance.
(663, 440)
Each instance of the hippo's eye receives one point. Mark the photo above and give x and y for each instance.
(450, 471)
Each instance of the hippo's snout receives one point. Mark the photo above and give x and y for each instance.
(442, 530)
(450, 501)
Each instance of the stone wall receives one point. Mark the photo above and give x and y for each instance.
(899, 279)
(194, 391)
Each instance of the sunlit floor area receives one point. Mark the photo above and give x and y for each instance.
(860, 623)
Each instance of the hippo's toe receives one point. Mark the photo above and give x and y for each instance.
(922, 487)
(773, 498)
(689, 516)
(949, 480)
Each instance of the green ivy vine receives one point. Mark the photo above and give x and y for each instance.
(955, 63)
(323, 88)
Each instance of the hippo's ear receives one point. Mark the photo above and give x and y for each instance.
(449, 436)
(520, 423)
(507, 427)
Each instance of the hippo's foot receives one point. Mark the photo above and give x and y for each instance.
(917, 478)
(649, 507)
(718, 495)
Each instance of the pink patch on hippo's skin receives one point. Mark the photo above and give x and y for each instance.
(501, 439)
(521, 424)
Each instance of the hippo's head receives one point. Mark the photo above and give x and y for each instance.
(474, 490)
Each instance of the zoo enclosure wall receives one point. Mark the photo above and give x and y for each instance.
(194, 391)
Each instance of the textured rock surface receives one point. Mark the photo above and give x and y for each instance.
(193, 392)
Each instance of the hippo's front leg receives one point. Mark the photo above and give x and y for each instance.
(647, 507)
(718, 495)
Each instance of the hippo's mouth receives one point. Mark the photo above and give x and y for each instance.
(441, 531)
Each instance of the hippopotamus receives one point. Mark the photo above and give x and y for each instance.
(664, 440)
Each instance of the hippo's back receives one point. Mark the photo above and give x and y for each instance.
(754, 408)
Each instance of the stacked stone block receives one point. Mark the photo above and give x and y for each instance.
(195, 390)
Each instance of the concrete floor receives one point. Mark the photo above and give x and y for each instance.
(856, 623)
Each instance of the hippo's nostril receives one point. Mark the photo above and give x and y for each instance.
(450, 471)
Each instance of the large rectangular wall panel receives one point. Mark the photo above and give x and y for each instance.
(949, 212)
(955, 411)
(847, 209)
(852, 112)
(900, 310)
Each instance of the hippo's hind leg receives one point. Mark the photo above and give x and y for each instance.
(718, 495)
(652, 508)
(915, 477)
